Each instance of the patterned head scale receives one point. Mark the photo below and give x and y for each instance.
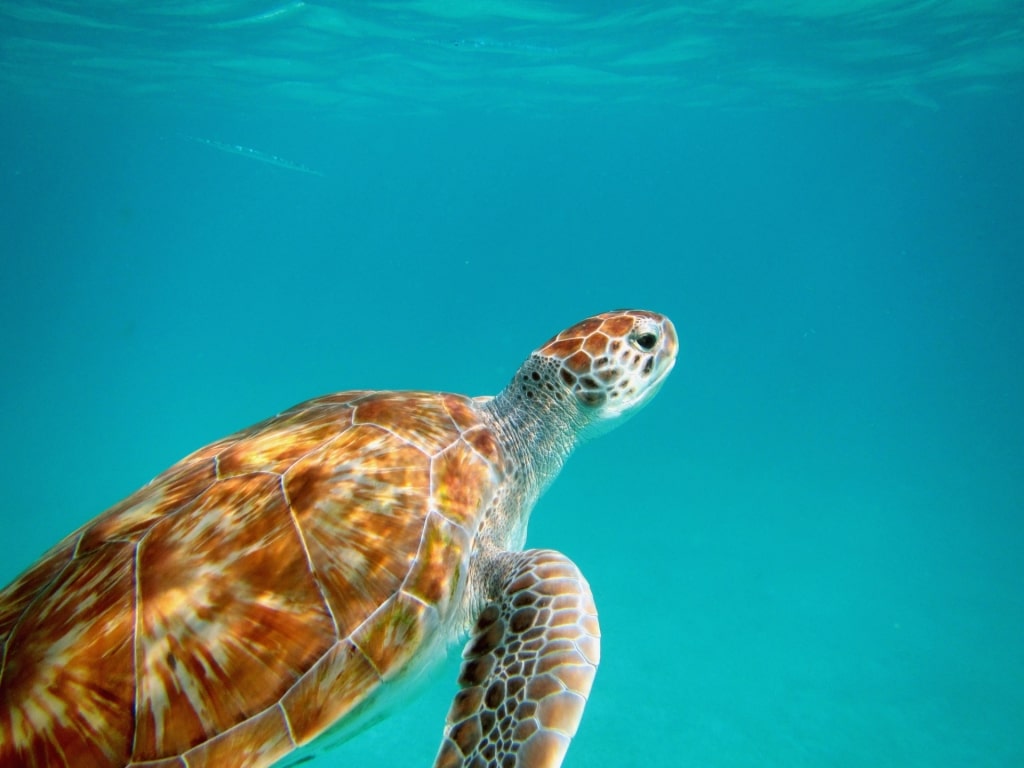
(612, 362)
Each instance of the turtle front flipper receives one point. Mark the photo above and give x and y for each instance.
(527, 669)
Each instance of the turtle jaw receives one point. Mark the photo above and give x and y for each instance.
(614, 413)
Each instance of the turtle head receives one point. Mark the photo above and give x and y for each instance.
(579, 384)
(607, 366)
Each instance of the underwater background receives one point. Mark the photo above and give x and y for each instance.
(807, 551)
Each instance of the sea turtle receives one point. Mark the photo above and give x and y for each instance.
(271, 586)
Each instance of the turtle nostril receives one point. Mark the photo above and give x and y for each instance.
(646, 341)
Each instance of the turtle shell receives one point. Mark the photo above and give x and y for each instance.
(251, 595)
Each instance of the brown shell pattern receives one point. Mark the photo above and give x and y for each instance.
(252, 594)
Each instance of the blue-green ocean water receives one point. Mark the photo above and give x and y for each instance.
(807, 551)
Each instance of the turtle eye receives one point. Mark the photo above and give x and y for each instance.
(646, 341)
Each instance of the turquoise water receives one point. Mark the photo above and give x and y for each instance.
(806, 551)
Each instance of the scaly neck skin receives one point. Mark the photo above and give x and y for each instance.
(538, 423)
(537, 431)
